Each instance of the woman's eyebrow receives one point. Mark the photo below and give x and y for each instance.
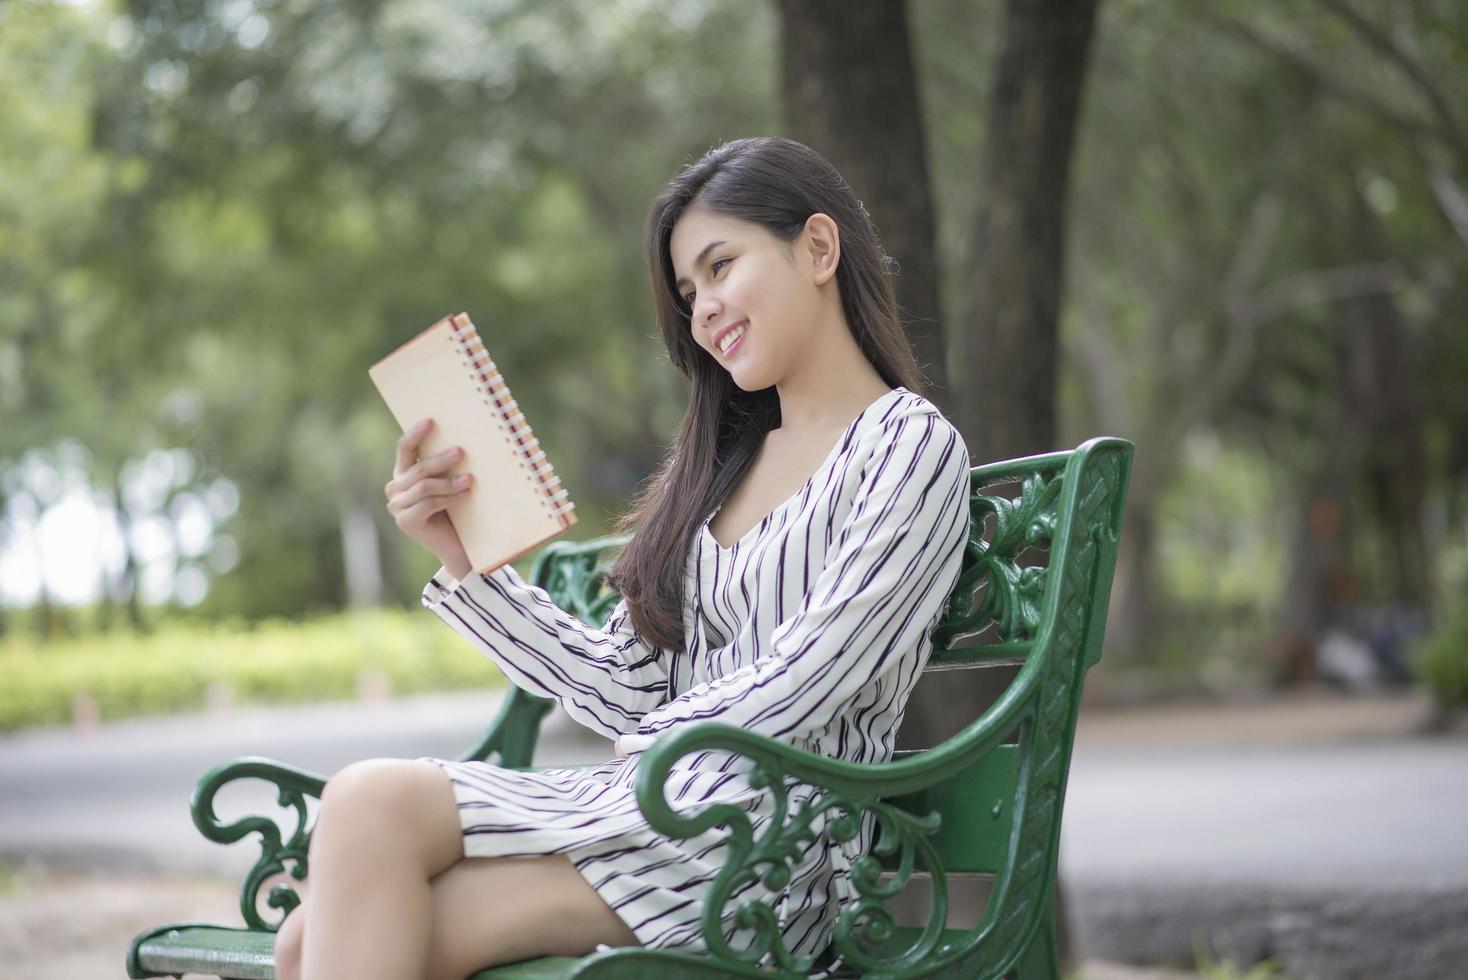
(701, 256)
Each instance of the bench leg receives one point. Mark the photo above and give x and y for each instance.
(1041, 959)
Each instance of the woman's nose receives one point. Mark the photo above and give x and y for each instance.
(706, 312)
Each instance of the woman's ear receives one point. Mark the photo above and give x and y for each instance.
(824, 244)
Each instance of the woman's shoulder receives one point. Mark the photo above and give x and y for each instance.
(915, 420)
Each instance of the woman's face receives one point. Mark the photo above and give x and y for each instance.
(751, 278)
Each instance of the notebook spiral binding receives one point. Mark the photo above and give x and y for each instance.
(496, 393)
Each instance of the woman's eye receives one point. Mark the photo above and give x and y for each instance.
(714, 265)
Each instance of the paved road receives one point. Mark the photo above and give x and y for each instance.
(1323, 835)
(1170, 825)
(119, 797)
(1387, 814)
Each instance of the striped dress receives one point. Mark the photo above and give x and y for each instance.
(811, 629)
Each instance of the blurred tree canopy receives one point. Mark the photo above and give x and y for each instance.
(214, 216)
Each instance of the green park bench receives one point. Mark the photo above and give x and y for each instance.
(1032, 595)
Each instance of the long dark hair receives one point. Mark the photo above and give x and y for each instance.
(777, 183)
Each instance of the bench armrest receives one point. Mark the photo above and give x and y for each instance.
(850, 791)
(294, 786)
(856, 782)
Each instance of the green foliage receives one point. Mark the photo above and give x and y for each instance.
(1444, 659)
(273, 661)
(1226, 969)
(226, 212)
(10, 876)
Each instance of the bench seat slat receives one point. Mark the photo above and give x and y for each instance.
(239, 954)
(248, 954)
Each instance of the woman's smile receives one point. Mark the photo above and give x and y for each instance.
(739, 334)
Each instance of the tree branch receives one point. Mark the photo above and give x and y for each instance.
(1094, 347)
(1452, 199)
(1243, 317)
(1324, 286)
(1377, 39)
(1309, 68)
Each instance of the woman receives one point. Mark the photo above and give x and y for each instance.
(789, 560)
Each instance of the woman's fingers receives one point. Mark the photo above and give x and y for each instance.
(443, 488)
(438, 486)
(408, 442)
(405, 478)
(439, 462)
(407, 453)
(430, 465)
(416, 515)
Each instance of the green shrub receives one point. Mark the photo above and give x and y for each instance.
(1443, 659)
(1226, 969)
(275, 661)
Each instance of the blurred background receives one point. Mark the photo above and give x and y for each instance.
(1235, 233)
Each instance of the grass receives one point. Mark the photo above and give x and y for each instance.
(181, 666)
(1226, 969)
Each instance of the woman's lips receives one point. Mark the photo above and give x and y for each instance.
(726, 354)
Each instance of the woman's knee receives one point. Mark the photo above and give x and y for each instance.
(371, 782)
(383, 801)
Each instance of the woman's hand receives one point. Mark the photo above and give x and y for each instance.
(637, 742)
(417, 496)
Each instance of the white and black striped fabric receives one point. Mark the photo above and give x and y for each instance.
(811, 629)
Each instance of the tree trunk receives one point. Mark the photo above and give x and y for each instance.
(1373, 444)
(1321, 584)
(1130, 624)
(1396, 462)
(1009, 410)
(1009, 405)
(1034, 101)
(361, 556)
(850, 94)
(128, 580)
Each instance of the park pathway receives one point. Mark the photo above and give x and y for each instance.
(1322, 832)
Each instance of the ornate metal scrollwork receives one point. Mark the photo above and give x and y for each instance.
(906, 834)
(777, 849)
(574, 572)
(1012, 595)
(864, 924)
(294, 786)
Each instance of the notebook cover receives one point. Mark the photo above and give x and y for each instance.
(508, 512)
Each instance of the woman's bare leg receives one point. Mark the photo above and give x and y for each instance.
(385, 828)
(551, 910)
(492, 911)
(497, 910)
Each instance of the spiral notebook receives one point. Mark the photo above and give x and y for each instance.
(516, 502)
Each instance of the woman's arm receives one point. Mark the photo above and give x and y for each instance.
(883, 587)
(606, 679)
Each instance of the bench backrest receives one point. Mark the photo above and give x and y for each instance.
(1033, 590)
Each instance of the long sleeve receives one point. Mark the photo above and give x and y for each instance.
(890, 571)
(605, 679)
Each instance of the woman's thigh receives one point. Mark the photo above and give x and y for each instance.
(491, 911)
(494, 910)
(487, 911)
